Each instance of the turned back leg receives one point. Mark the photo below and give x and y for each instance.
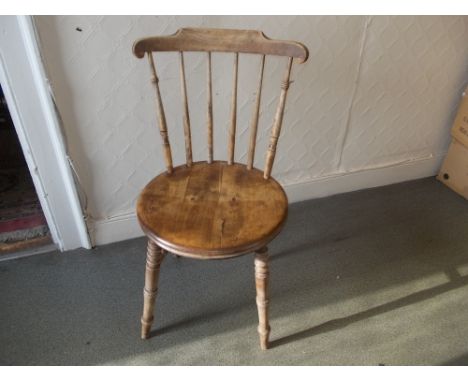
(261, 284)
(154, 257)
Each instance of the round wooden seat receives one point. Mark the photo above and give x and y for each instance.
(212, 210)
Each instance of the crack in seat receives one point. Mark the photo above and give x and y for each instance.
(212, 210)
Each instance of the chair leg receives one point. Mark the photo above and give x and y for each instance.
(261, 284)
(154, 257)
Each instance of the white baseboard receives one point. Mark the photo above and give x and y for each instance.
(126, 226)
(362, 179)
(114, 229)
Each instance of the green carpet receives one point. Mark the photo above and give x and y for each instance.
(371, 277)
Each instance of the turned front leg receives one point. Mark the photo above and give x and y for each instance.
(261, 284)
(154, 257)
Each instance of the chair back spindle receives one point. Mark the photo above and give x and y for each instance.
(278, 121)
(255, 115)
(232, 130)
(210, 112)
(162, 116)
(186, 117)
(222, 40)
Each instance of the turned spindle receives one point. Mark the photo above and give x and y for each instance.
(154, 257)
(276, 129)
(255, 115)
(161, 115)
(186, 117)
(232, 130)
(209, 126)
(261, 284)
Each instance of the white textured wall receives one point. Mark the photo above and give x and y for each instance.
(376, 92)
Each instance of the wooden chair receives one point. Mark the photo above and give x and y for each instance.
(214, 209)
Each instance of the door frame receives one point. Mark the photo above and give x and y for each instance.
(32, 108)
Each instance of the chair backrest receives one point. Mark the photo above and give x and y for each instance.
(221, 40)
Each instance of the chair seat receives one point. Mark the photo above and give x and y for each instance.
(212, 210)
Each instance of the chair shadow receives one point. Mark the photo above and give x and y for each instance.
(181, 324)
(461, 360)
(456, 282)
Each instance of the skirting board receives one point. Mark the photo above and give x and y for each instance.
(126, 226)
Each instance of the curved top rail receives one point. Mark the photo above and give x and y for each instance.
(220, 40)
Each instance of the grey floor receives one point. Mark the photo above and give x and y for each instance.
(371, 277)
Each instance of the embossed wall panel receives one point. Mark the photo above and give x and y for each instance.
(375, 91)
(413, 72)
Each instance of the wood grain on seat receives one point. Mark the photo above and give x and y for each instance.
(212, 210)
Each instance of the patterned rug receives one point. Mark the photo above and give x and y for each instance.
(21, 215)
